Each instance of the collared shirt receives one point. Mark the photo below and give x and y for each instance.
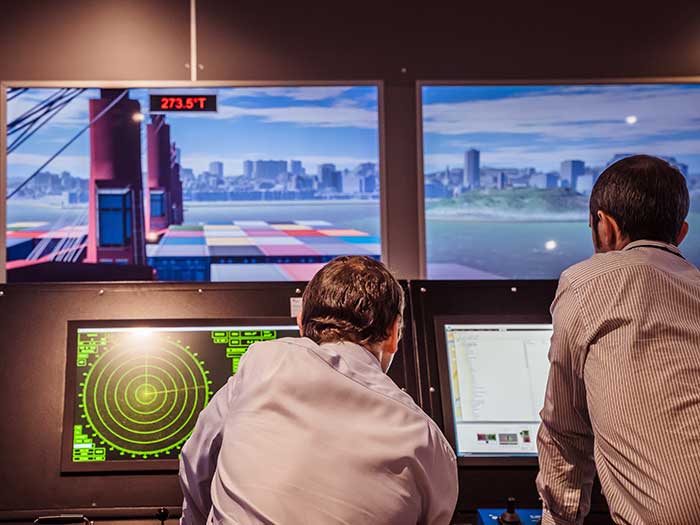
(315, 434)
(624, 389)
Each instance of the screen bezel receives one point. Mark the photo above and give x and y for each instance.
(496, 82)
(446, 387)
(130, 465)
(192, 84)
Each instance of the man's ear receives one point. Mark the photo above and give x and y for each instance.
(393, 341)
(301, 328)
(610, 236)
(682, 233)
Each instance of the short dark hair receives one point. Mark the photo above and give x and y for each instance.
(352, 299)
(647, 197)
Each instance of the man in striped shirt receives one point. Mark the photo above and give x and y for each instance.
(623, 395)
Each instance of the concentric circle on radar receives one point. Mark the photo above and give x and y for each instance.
(143, 399)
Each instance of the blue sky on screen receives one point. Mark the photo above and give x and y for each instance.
(313, 124)
(540, 126)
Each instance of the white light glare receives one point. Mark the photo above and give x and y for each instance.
(631, 119)
(141, 332)
(550, 245)
(138, 117)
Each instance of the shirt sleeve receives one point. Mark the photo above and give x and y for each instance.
(565, 438)
(443, 483)
(199, 456)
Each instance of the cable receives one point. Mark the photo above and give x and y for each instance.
(13, 93)
(71, 141)
(47, 113)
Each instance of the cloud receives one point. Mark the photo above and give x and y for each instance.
(305, 94)
(577, 113)
(336, 116)
(75, 114)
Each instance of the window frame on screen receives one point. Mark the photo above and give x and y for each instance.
(188, 84)
(420, 84)
(439, 323)
(71, 378)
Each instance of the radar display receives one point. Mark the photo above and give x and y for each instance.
(138, 390)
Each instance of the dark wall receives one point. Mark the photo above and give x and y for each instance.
(392, 42)
(149, 39)
(94, 40)
(469, 40)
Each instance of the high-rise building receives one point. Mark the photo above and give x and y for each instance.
(269, 170)
(351, 182)
(571, 170)
(472, 177)
(502, 180)
(330, 178)
(369, 184)
(248, 168)
(296, 168)
(217, 168)
(365, 169)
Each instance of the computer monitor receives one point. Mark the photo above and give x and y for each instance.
(493, 376)
(203, 182)
(134, 389)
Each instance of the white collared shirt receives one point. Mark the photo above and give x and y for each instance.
(315, 434)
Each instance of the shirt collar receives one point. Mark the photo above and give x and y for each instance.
(352, 352)
(643, 242)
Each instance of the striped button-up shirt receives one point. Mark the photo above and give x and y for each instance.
(623, 395)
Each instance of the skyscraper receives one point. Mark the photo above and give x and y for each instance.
(471, 169)
(296, 167)
(248, 168)
(351, 182)
(330, 178)
(216, 168)
(571, 170)
(268, 170)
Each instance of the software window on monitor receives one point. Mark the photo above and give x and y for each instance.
(498, 375)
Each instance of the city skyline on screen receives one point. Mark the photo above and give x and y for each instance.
(315, 125)
(542, 126)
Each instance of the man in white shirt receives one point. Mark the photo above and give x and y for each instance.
(312, 430)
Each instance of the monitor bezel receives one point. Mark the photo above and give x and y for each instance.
(504, 82)
(194, 84)
(130, 465)
(439, 323)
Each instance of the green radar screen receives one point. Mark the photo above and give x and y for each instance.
(138, 390)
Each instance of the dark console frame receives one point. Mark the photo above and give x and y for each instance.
(130, 465)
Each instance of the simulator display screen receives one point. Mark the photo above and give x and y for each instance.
(498, 376)
(509, 169)
(134, 393)
(200, 184)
